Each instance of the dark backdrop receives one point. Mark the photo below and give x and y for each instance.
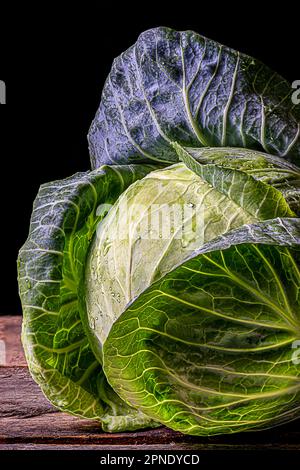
(55, 62)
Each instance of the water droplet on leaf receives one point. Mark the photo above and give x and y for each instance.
(92, 323)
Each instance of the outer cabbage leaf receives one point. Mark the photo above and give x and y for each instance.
(51, 265)
(181, 86)
(208, 349)
(281, 175)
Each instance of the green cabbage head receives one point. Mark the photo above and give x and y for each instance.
(163, 286)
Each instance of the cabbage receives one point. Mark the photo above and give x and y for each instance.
(166, 291)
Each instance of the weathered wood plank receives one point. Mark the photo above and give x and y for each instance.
(174, 446)
(11, 352)
(29, 421)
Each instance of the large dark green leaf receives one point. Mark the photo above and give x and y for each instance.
(208, 349)
(51, 266)
(181, 86)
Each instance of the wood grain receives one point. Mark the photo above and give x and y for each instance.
(11, 352)
(29, 421)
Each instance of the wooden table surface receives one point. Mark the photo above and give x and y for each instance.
(28, 421)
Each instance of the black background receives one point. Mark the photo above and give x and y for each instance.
(54, 64)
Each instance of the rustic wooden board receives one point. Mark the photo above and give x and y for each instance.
(29, 421)
(11, 352)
